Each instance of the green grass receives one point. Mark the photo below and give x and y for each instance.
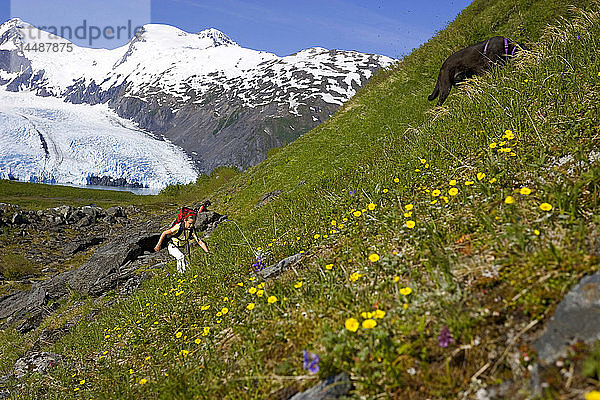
(475, 262)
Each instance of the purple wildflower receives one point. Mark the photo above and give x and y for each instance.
(351, 192)
(259, 263)
(578, 37)
(311, 362)
(445, 338)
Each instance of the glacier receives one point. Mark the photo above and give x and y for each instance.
(46, 140)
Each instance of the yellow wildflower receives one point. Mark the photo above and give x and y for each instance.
(260, 293)
(252, 290)
(493, 180)
(225, 310)
(143, 381)
(408, 207)
(453, 191)
(351, 324)
(396, 279)
(272, 299)
(594, 394)
(509, 200)
(480, 176)
(396, 180)
(469, 183)
(452, 182)
(198, 341)
(298, 285)
(493, 145)
(436, 193)
(545, 207)
(333, 222)
(329, 266)
(178, 334)
(410, 224)
(369, 324)
(371, 206)
(379, 314)
(357, 213)
(250, 306)
(405, 291)
(374, 257)
(525, 191)
(423, 161)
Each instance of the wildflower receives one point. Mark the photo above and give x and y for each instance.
(357, 213)
(536, 232)
(385, 190)
(261, 285)
(206, 331)
(130, 371)
(371, 206)
(453, 191)
(204, 308)
(408, 214)
(436, 193)
(508, 134)
(480, 176)
(76, 389)
(184, 353)
(329, 266)
(445, 338)
(452, 182)
(417, 170)
(405, 291)
(369, 323)
(493, 180)
(379, 314)
(509, 200)
(432, 202)
(525, 191)
(469, 183)
(272, 299)
(260, 293)
(317, 236)
(82, 382)
(178, 334)
(446, 200)
(423, 161)
(259, 262)
(333, 222)
(594, 394)
(396, 279)
(251, 306)
(366, 315)
(240, 284)
(493, 145)
(225, 310)
(408, 207)
(252, 290)
(396, 180)
(298, 285)
(311, 362)
(374, 257)
(410, 224)
(351, 324)
(405, 306)
(143, 381)
(545, 207)
(354, 277)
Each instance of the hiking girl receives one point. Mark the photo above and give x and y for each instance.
(181, 233)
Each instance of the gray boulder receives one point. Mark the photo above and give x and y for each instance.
(331, 388)
(282, 266)
(37, 362)
(577, 318)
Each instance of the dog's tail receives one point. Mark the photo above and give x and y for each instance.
(436, 90)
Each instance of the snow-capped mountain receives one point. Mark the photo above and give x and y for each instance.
(222, 103)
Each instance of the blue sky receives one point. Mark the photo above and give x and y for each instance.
(283, 27)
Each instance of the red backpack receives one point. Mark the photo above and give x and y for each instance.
(184, 212)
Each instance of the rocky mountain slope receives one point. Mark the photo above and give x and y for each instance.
(222, 103)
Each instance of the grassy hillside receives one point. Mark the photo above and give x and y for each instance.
(473, 219)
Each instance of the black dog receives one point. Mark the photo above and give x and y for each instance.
(470, 61)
